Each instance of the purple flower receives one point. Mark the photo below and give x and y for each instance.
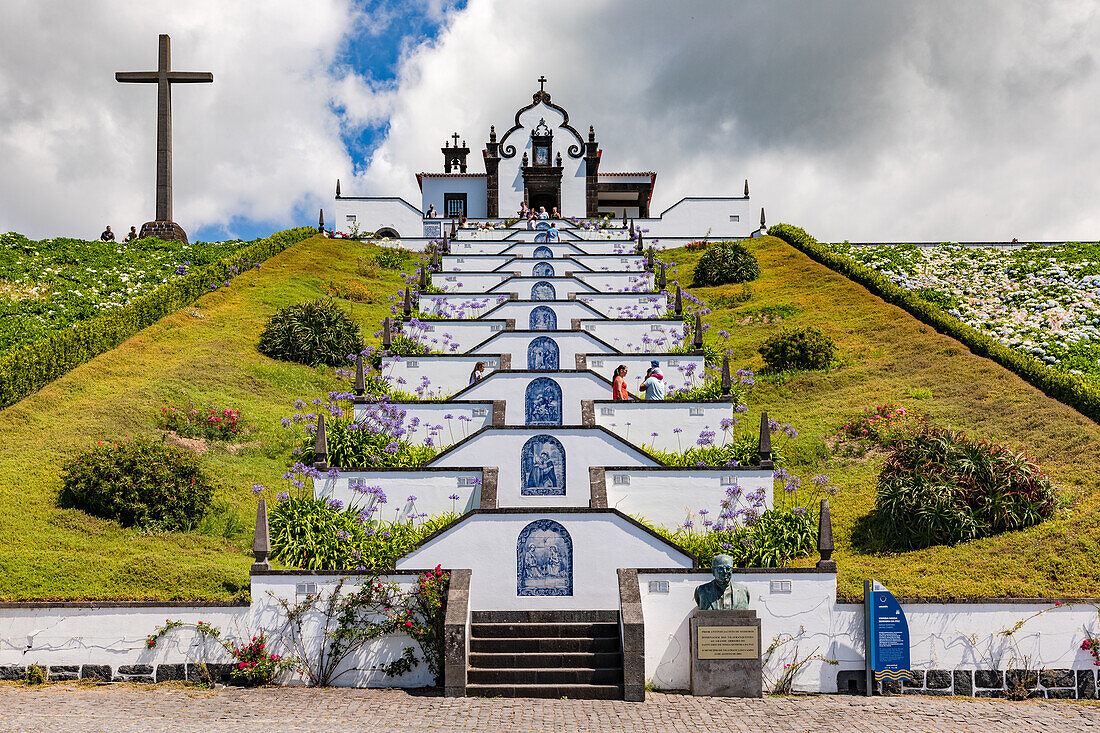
(410, 498)
(820, 480)
(283, 497)
(257, 488)
(335, 504)
(453, 497)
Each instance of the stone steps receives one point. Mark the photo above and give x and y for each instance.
(548, 654)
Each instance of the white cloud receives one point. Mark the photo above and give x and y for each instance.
(78, 148)
(885, 120)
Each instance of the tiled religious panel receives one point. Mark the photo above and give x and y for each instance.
(542, 225)
(542, 402)
(540, 237)
(542, 465)
(543, 318)
(544, 560)
(543, 290)
(542, 269)
(542, 353)
(543, 253)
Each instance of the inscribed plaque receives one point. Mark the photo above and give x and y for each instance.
(728, 642)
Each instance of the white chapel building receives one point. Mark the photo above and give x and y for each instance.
(542, 159)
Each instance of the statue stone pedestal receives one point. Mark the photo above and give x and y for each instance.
(725, 654)
(167, 230)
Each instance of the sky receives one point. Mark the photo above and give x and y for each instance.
(859, 121)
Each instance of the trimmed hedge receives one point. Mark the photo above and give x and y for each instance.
(31, 367)
(1067, 388)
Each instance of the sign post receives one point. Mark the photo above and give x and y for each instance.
(886, 634)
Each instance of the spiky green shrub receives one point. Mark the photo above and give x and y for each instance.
(940, 487)
(139, 483)
(800, 348)
(322, 535)
(311, 333)
(772, 541)
(726, 262)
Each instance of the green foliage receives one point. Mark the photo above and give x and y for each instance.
(885, 425)
(744, 451)
(310, 533)
(35, 675)
(726, 262)
(772, 541)
(1068, 388)
(423, 617)
(392, 258)
(29, 367)
(46, 286)
(212, 423)
(255, 664)
(311, 333)
(800, 348)
(937, 298)
(357, 447)
(138, 483)
(940, 487)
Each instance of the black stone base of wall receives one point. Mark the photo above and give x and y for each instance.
(1051, 684)
(149, 673)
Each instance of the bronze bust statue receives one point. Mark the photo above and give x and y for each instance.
(721, 594)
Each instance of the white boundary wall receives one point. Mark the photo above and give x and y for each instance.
(432, 489)
(637, 421)
(673, 367)
(669, 497)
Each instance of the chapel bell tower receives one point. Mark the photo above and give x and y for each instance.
(454, 156)
(541, 178)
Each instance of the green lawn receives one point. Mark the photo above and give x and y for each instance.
(206, 353)
(888, 353)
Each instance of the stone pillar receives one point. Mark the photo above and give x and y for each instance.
(725, 654)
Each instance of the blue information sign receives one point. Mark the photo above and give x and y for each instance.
(887, 635)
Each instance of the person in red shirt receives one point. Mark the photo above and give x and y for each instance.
(619, 390)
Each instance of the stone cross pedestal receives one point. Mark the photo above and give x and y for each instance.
(163, 226)
(725, 654)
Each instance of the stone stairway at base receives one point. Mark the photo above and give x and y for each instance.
(574, 654)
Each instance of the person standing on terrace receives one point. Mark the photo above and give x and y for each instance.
(619, 390)
(654, 384)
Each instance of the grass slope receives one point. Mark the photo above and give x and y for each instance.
(206, 353)
(889, 354)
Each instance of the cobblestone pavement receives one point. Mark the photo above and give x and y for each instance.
(75, 708)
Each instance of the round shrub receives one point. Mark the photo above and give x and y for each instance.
(941, 488)
(138, 484)
(311, 333)
(801, 348)
(726, 262)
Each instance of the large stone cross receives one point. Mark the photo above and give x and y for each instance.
(164, 77)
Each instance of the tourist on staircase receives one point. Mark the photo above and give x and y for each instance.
(619, 390)
(654, 385)
(477, 373)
